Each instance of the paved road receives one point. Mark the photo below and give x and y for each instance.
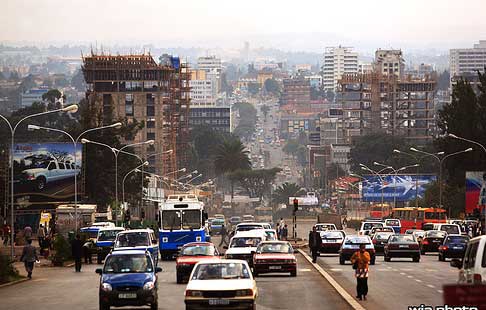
(395, 285)
(62, 288)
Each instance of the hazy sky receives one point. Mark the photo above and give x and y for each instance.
(227, 23)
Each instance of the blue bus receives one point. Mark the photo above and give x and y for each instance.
(181, 220)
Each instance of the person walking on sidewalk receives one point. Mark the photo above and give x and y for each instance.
(27, 232)
(360, 261)
(29, 257)
(315, 242)
(77, 251)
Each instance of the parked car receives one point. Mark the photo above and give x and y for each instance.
(402, 246)
(332, 240)
(454, 246)
(432, 240)
(191, 254)
(105, 241)
(243, 244)
(472, 266)
(274, 256)
(380, 239)
(221, 284)
(138, 239)
(128, 278)
(351, 245)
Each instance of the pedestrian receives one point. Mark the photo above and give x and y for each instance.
(6, 234)
(27, 232)
(315, 242)
(41, 236)
(345, 222)
(360, 261)
(29, 257)
(223, 235)
(88, 259)
(77, 252)
(285, 232)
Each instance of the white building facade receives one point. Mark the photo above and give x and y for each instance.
(337, 61)
(468, 60)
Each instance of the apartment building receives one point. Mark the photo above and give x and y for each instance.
(338, 61)
(296, 91)
(468, 60)
(389, 62)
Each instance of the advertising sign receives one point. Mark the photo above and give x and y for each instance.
(45, 171)
(475, 190)
(399, 188)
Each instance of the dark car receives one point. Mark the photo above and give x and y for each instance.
(351, 245)
(454, 246)
(128, 278)
(332, 241)
(189, 255)
(432, 240)
(380, 239)
(402, 246)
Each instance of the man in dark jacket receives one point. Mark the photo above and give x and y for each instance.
(29, 257)
(315, 242)
(77, 251)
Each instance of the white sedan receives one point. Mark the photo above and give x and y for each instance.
(221, 284)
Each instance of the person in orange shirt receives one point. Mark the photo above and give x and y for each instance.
(360, 261)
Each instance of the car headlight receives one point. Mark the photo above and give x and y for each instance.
(198, 238)
(149, 286)
(106, 287)
(191, 293)
(240, 293)
(165, 239)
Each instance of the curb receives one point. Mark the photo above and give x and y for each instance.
(14, 282)
(341, 291)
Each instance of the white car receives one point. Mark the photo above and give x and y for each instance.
(473, 266)
(325, 226)
(244, 244)
(221, 283)
(367, 226)
(49, 172)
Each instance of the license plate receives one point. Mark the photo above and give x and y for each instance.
(457, 248)
(436, 241)
(127, 295)
(403, 246)
(218, 302)
(274, 267)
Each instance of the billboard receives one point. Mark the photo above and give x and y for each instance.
(475, 190)
(44, 172)
(399, 188)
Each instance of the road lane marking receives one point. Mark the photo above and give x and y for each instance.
(440, 291)
(430, 285)
(335, 269)
(402, 273)
(431, 270)
(305, 270)
(410, 277)
(419, 281)
(341, 291)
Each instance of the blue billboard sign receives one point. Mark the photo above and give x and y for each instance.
(395, 188)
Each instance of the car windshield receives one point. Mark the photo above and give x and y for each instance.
(392, 222)
(402, 239)
(419, 233)
(248, 227)
(244, 242)
(368, 226)
(107, 235)
(198, 250)
(191, 219)
(357, 240)
(383, 236)
(435, 234)
(271, 235)
(92, 234)
(450, 229)
(132, 239)
(128, 263)
(276, 247)
(457, 239)
(331, 235)
(171, 219)
(219, 271)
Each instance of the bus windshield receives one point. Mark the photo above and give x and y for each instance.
(171, 219)
(435, 215)
(191, 219)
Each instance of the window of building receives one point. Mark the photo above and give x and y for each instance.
(129, 105)
(150, 123)
(150, 135)
(150, 110)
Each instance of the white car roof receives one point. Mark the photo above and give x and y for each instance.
(251, 233)
(250, 224)
(137, 230)
(111, 228)
(222, 261)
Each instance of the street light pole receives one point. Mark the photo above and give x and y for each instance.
(378, 174)
(136, 169)
(70, 109)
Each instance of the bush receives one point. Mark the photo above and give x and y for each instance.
(62, 250)
(7, 269)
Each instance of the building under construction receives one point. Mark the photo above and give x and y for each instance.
(392, 104)
(137, 87)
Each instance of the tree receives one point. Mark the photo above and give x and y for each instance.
(272, 86)
(255, 182)
(230, 156)
(253, 88)
(247, 120)
(464, 116)
(265, 109)
(335, 171)
(452, 198)
(286, 190)
(52, 96)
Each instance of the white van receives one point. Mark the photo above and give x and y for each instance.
(473, 266)
(450, 229)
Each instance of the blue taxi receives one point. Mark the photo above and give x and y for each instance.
(105, 240)
(128, 278)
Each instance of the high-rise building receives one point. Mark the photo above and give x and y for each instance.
(468, 60)
(213, 68)
(202, 89)
(389, 62)
(136, 87)
(217, 118)
(338, 61)
(296, 91)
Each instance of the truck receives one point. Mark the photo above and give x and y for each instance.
(47, 172)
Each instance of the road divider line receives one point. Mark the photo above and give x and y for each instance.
(430, 285)
(341, 291)
(419, 281)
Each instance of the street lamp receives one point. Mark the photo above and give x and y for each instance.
(441, 160)
(197, 176)
(75, 144)
(70, 109)
(378, 174)
(136, 169)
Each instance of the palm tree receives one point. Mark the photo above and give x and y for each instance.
(230, 156)
(286, 190)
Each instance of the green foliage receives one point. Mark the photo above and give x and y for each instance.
(272, 86)
(464, 116)
(256, 182)
(282, 193)
(253, 88)
(335, 171)
(230, 156)
(248, 119)
(52, 95)
(452, 198)
(265, 109)
(7, 269)
(62, 249)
